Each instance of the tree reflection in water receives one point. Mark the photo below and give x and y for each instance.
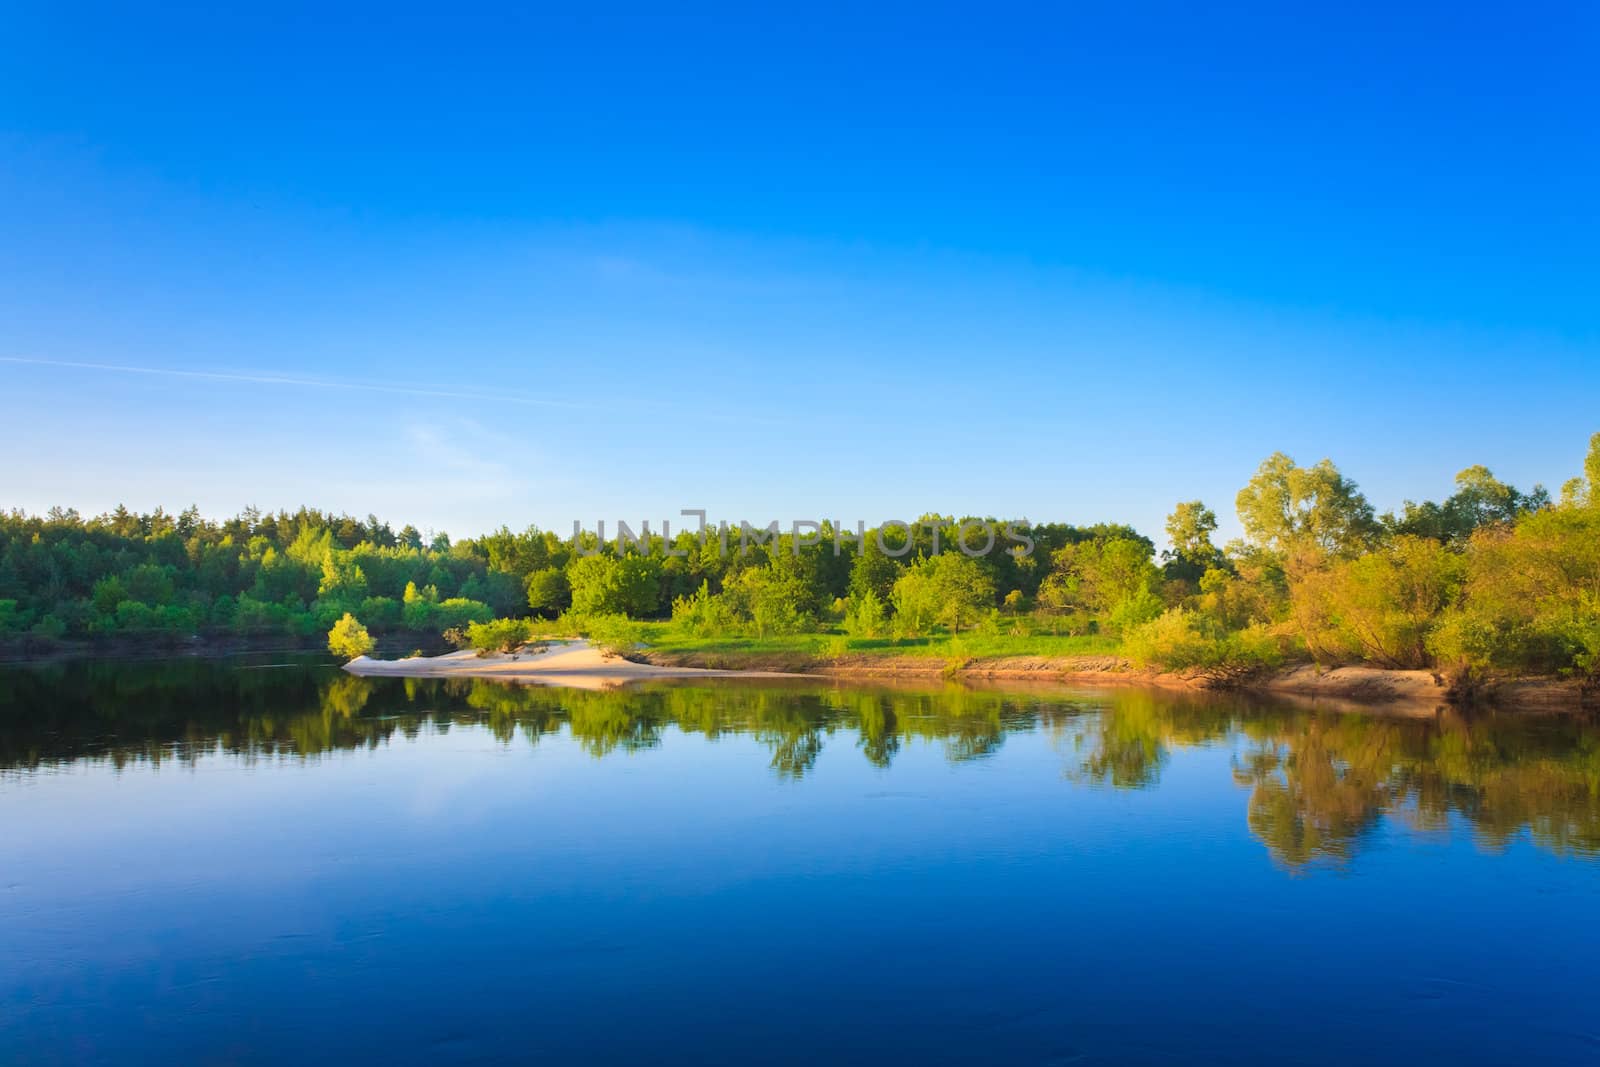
(1318, 783)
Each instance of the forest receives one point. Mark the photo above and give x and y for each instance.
(1490, 579)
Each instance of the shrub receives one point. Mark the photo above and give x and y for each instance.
(499, 635)
(771, 602)
(1381, 607)
(349, 638)
(613, 635)
(1180, 640)
(460, 611)
(1135, 610)
(865, 615)
(703, 614)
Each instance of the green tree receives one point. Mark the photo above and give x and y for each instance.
(548, 591)
(418, 607)
(1480, 500)
(606, 585)
(949, 589)
(1286, 508)
(1381, 607)
(1099, 575)
(349, 638)
(1189, 530)
(770, 600)
(866, 616)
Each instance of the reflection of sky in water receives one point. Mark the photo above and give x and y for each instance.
(456, 896)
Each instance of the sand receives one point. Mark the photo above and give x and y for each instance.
(575, 664)
(579, 665)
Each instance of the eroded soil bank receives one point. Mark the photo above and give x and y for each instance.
(1353, 685)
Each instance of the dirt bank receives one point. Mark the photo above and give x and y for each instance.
(1364, 686)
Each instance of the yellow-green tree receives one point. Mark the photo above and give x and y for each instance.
(349, 638)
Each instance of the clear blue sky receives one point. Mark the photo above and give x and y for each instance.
(518, 267)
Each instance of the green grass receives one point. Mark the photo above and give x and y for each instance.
(664, 638)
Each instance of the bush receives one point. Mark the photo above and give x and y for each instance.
(11, 619)
(499, 635)
(349, 638)
(702, 614)
(461, 612)
(1382, 606)
(613, 635)
(1135, 610)
(865, 615)
(769, 601)
(1180, 640)
(51, 626)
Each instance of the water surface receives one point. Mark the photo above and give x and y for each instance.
(226, 862)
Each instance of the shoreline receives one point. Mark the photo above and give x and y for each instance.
(578, 664)
(1360, 687)
(570, 664)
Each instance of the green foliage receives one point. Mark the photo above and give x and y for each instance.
(1286, 508)
(612, 634)
(1490, 579)
(458, 612)
(769, 601)
(1135, 610)
(51, 627)
(1381, 607)
(702, 614)
(865, 615)
(1531, 600)
(349, 638)
(949, 590)
(1189, 530)
(1098, 575)
(256, 574)
(549, 592)
(1480, 500)
(499, 635)
(873, 572)
(609, 585)
(1181, 640)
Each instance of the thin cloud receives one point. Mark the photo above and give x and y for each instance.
(434, 392)
(305, 383)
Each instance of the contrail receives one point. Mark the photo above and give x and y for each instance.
(305, 383)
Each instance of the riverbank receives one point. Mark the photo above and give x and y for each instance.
(572, 664)
(579, 664)
(1364, 686)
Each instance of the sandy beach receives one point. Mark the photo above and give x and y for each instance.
(575, 664)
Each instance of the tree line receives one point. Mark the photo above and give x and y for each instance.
(1490, 578)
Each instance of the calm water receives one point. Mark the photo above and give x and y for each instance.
(204, 862)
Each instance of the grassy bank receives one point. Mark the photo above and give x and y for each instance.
(826, 649)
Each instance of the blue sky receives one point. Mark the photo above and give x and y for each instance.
(525, 267)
